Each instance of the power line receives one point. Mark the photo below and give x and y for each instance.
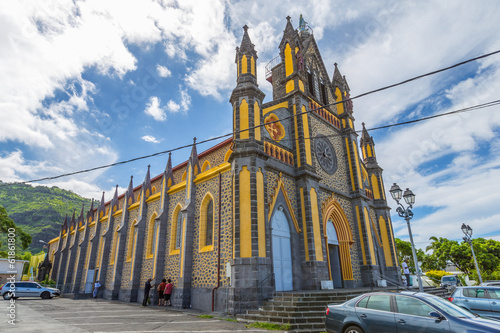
(295, 115)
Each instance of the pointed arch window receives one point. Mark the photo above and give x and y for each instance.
(152, 232)
(206, 237)
(310, 80)
(323, 91)
(131, 240)
(176, 231)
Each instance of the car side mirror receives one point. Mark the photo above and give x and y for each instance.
(39, 287)
(436, 316)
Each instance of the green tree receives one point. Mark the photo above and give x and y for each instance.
(404, 252)
(7, 224)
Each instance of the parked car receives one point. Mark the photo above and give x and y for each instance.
(491, 284)
(484, 301)
(27, 289)
(450, 281)
(403, 312)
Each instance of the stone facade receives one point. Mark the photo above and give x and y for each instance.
(286, 203)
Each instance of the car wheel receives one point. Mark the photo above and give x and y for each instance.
(45, 295)
(7, 296)
(353, 329)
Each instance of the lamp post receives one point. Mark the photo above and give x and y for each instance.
(407, 214)
(467, 230)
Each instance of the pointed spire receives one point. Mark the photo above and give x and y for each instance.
(90, 213)
(80, 218)
(365, 137)
(193, 158)
(114, 201)
(337, 79)
(130, 192)
(368, 147)
(168, 174)
(72, 224)
(64, 227)
(246, 44)
(147, 184)
(101, 211)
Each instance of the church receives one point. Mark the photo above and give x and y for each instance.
(294, 200)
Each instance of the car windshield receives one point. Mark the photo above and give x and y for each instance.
(450, 308)
(448, 278)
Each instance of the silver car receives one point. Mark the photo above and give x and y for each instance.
(484, 301)
(27, 289)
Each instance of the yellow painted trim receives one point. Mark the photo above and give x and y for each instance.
(350, 164)
(151, 233)
(92, 224)
(228, 154)
(163, 188)
(318, 247)
(104, 219)
(188, 183)
(363, 152)
(154, 197)
(174, 252)
(303, 207)
(376, 190)
(351, 125)
(296, 135)
(134, 235)
(244, 120)
(275, 107)
(358, 169)
(245, 214)
(340, 104)
(369, 236)
(301, 86)
(203, 221)
(211, 173)
(290, 86)
(361, 240)
(205, 166)
(377, 237)
(280, 187)
(80, 229)
(288, 60)
(382, 189)
(261, 215)
(369, 150)
(252, 65)
(72, 233)
(208, 248)
(256, 114)
(389, 222)
(53, 240)
(118, 212)
(307, 140)
(183, 253)
(133, 206)
(385, 241)
(343, 123)
(244, 64)
(176, 188)
(274, 125)
(173, 229)
(184, 175)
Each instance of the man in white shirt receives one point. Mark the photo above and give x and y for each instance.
(97, 285)
(406, 272)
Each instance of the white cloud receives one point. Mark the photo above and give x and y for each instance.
(163, 71)
(150, 138)
(153, 109)
(173, 106)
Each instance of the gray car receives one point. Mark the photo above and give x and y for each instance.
(27, 289)
(484, 301)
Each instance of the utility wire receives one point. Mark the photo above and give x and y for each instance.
(295, 115)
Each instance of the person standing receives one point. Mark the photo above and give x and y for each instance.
(161, 289)
(406, 272)
(147, 288)
(168, 292)
(97, 285)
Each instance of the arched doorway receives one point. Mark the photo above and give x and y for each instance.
(338, 237)
(282, 253)
(333, 252)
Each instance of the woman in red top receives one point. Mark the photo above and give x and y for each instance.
(161, 289)
(168, 292)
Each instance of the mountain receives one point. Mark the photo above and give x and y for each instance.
(40, 210)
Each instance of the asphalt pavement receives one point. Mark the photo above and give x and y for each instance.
(91, 315)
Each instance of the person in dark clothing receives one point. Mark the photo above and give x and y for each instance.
(147, 288)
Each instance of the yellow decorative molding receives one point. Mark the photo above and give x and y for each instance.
(245, 205)
(134, 205)
(211, 173)
(207, 248)
(177, 188)
(174, 252)
(280, 186)
(104, 219)
(275, 107)
(118, 212)
(303, 208)
(244, 132)
(361, 235)
(290, 86)
(73, 232)
(81, 229)
(154, 197)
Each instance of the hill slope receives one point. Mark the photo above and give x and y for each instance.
(40, 210)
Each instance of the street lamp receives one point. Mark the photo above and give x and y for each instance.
(407, 214)
(467, 230)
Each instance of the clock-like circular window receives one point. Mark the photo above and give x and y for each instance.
(325, 154)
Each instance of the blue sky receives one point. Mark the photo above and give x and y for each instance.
(88, 83)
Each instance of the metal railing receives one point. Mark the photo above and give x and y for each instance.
(271, 64)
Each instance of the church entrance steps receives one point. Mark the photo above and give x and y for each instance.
(304, 311)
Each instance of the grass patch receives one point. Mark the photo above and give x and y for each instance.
(269, 326)
(229, 319)
(205, 316)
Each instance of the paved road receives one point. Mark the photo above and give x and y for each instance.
(75, 316)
